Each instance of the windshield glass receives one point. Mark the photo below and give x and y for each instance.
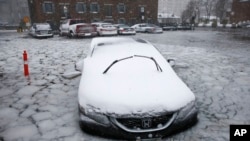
(107, 25)
(43, 27)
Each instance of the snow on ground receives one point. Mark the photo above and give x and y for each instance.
(42, 107)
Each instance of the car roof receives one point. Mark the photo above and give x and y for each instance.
(41, 23)
(105, 50)
(100, 23)
(121, 42)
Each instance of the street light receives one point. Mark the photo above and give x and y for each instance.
(65, 10)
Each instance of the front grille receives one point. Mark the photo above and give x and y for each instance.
(145, 123)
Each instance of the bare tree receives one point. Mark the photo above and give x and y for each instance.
(221, 8)
(191, 12)
(209, 7)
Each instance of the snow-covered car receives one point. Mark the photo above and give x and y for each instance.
(129, 91)
(65, 26)
(41, 30)
(147, 28)
(105, 28)
(123, 29)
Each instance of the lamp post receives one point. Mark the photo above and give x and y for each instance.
(65, 10)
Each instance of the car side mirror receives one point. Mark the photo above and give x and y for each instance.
(171, 62)
(79, 65)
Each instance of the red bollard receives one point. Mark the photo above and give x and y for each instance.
(25, 56)
(25, 65)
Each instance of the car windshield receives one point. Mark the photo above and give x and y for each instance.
(152, 25)
(123, 26)
(107, 25)
(43, 27)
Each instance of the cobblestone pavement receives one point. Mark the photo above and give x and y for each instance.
(215, 66)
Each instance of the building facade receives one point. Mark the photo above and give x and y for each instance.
(114, 11)
(240, 11)
(12, 11)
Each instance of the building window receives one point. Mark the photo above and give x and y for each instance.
(94, 8)
(142, 9)
(64, 10)
(48, 7)
(108, 10)
(121, 21)
(121, 8)
(80, 7)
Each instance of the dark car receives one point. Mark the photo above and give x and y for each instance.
(169, 27)
(184, 26)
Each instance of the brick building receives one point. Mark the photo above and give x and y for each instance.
(114, 11)
(240, 11)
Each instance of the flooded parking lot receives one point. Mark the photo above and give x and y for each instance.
(214, 64)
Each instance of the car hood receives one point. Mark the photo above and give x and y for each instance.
(135, 90)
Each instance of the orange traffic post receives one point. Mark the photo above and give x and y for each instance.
(25, 65)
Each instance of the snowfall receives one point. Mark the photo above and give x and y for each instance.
(214, 64)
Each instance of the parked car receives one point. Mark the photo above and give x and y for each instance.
(147, 28)
(123, 29)
(168, 27)
(133, 93)
(82, 30)
(184, 27)
(41, 30)
(64, 29)
(105, 28)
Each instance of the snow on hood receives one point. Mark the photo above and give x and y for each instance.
(133, 85)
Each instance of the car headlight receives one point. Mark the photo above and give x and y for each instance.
(98, 117)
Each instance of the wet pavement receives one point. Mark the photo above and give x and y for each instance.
(214, 64)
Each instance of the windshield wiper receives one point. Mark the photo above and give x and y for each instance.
(151, 58)
(106, 70)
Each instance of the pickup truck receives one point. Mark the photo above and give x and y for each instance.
(76, 28)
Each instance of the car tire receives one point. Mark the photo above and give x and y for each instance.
(71, 34)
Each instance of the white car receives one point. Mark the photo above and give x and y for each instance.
(41, 30)
(129, 91)
(147, 28)
(123, 29)
(66, 25)
(105, 28)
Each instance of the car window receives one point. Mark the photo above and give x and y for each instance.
(43, 27)
(107, 25)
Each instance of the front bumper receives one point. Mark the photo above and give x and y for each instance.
(43, 35)
(114, 130)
